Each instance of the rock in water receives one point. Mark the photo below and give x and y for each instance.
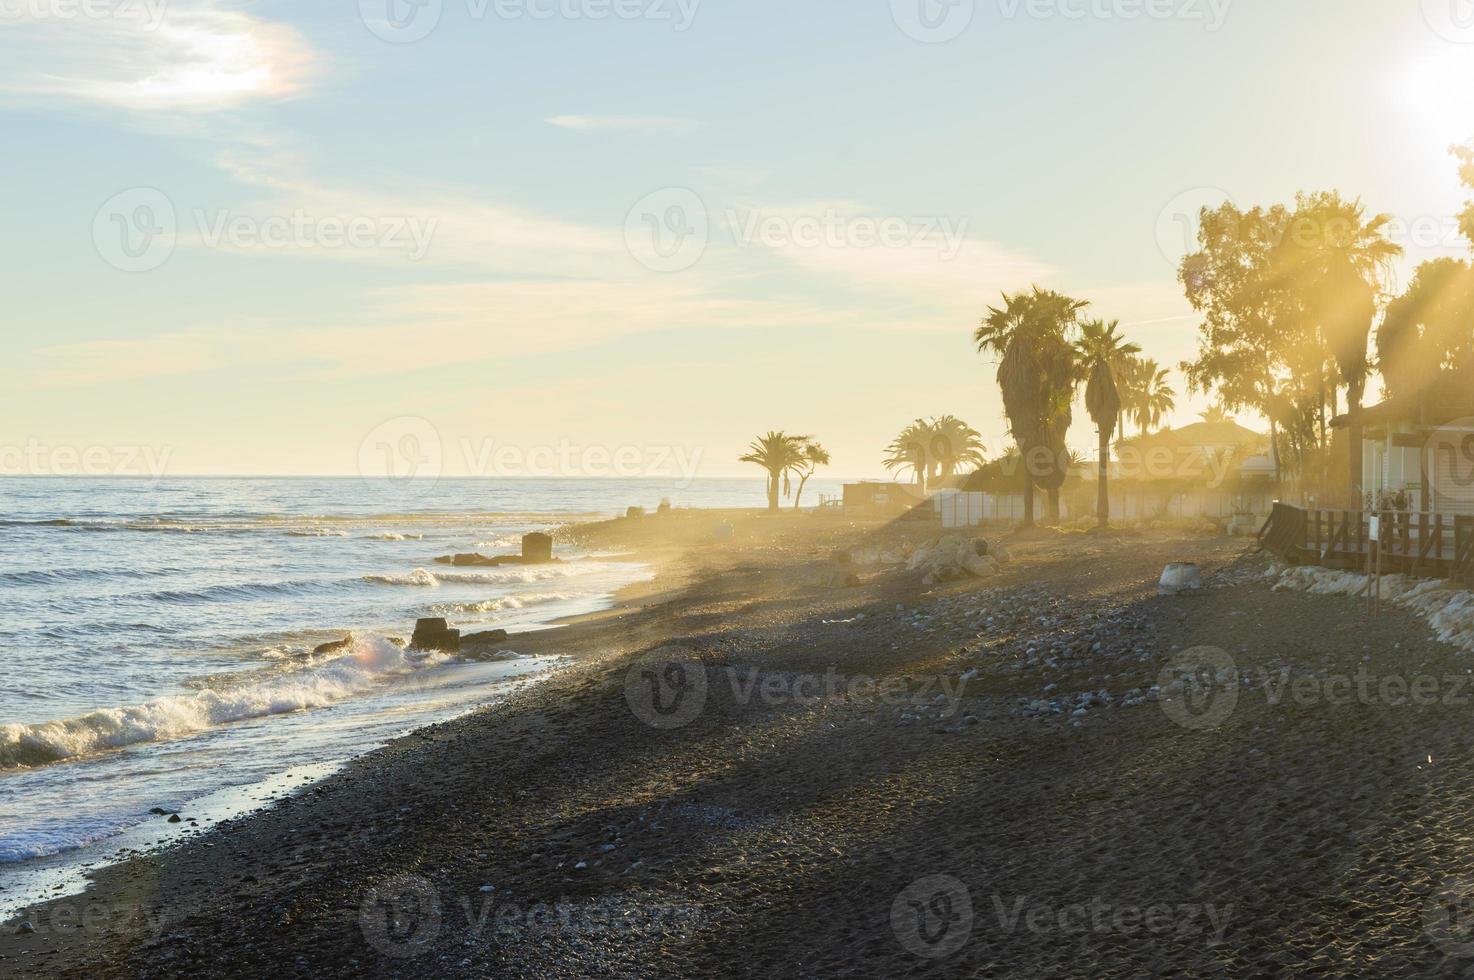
(334, 646)
(434, 634)
(537, 547)
(1180, 577)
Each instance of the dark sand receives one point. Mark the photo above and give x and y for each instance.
(781, 833)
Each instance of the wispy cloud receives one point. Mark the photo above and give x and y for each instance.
(629, 124)
(148, 58)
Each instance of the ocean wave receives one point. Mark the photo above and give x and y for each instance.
(239, 593)
(317, 532)
(367, 664)
(395, 536)
(501, 604)
(420, 577)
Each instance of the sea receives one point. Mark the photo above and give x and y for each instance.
(157, 638)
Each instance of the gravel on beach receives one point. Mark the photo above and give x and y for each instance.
(743, 773)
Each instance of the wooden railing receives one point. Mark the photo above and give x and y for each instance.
(1418, 542)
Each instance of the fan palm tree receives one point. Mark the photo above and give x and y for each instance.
(814, 456)
(1215, 415)
(1149, 394)
(955, 444)
(911, 450)
(781, 455)
(1102, 353)
(1037, 374)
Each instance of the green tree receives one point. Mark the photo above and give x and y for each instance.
(911, 450)
(1103, 352)
(814, 456)
(1037, 373)
(781, 455)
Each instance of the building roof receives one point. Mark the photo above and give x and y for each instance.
(1201, 435)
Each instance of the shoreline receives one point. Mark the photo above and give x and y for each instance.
(558, 834)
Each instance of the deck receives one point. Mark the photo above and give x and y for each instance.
(1412, 542)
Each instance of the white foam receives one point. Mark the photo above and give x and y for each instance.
(366, 664)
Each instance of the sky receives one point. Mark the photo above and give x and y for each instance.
(624, 237)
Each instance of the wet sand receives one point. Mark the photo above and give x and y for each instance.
(973, 779)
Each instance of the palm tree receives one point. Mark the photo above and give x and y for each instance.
(1037, 374)
(781, 455)
(911, 450)
(1333, 265)
(955, 444)
(1102, 353)
(814, 456)
(1148, 396)
(1215, 415)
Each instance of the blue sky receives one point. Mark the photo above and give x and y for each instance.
(1054, 141)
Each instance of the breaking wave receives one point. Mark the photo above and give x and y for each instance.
(368, 663)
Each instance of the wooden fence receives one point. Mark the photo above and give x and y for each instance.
(1414, 542)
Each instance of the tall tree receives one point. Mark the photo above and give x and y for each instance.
(911, 450)
(1332, 263)
(781, 455)
(955, 444)
(814, 456)
(1037, 372)
(1103, 352)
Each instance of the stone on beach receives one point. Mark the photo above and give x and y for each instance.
(487, 638)
(1180, 577)
(333, 646)
(435, 635)
(537, 547)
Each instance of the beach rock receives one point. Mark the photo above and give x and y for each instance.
(483, 639)
(999, 553)
(537, 548)
(434, 634)
(25, 929)
(175, 818)
(334, 646)
(1181, 577)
